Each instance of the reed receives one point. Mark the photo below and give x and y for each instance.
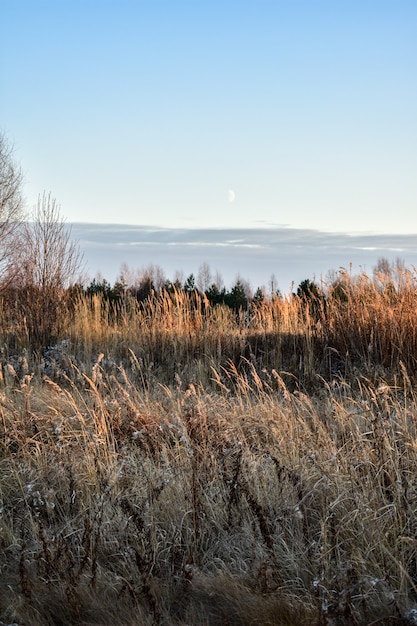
(178, 463)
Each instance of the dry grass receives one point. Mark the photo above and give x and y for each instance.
(175, 465)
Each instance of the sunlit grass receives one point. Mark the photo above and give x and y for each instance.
(176, 463)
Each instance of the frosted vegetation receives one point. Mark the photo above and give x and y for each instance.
(175, 453)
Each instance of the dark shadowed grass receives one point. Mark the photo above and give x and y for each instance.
(125, 505)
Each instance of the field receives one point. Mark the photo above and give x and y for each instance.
(177, 463)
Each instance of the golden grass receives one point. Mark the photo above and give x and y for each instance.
(176, 464)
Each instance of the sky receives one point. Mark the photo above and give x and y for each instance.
(216, 114)
(259, 257)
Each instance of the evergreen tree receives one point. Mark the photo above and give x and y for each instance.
(237, 298)
(189, 285)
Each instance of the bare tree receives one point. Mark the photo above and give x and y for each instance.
(48, 263)
(204, 277)
(49, 257)
(11, 208)
(218, 280)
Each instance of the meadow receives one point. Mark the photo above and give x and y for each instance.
(178, 462)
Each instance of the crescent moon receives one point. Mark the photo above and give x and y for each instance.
(231, 195)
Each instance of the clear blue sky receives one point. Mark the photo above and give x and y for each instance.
(216, 113)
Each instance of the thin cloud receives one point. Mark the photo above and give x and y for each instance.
(291, 254)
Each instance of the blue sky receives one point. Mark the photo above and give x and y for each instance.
(216, 114)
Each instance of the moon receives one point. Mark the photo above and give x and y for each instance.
(231, 195)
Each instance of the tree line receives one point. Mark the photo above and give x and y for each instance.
(239, 296)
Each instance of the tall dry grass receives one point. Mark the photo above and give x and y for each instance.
(174, 463)
(364, 325)
(121, 505)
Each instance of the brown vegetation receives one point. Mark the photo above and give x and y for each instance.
(176, 462)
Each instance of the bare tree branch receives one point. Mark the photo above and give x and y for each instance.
(11, 209)
(49, 258)
(49, 262)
